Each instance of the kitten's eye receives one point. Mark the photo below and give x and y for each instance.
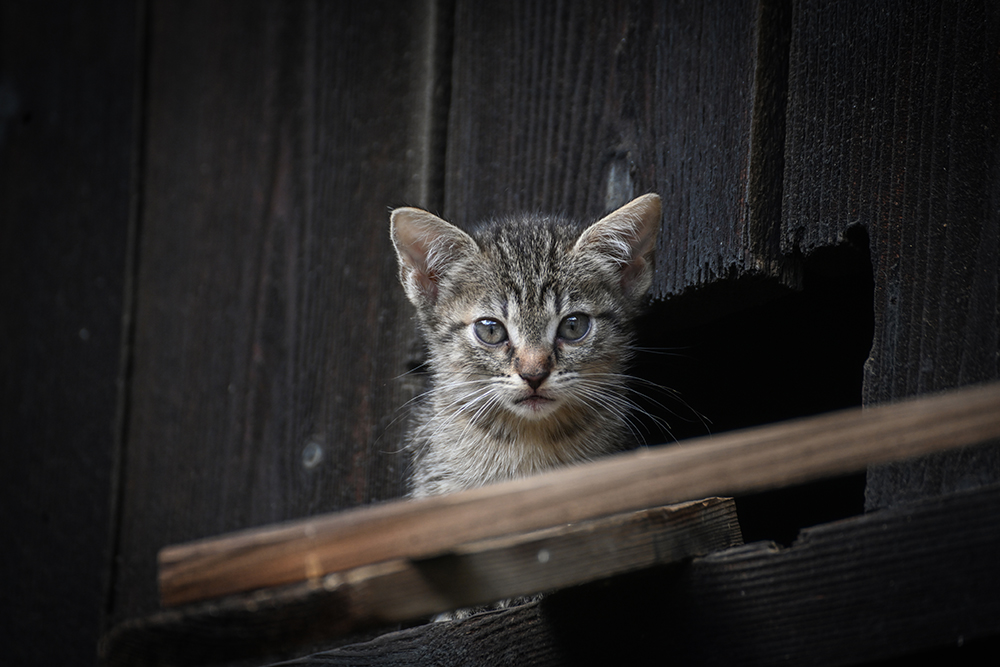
(490, 331)
(574, 327)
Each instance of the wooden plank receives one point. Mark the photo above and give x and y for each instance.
(472, 574)
(577, 107)
(269, 325)
(524, 564)
(893, 134)
(69, 81)
(915, 580)
(733, 463)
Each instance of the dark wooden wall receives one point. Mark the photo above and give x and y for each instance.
(577, 107)
(202, 328)
(67, 139)
(894, 133)
(269, 333)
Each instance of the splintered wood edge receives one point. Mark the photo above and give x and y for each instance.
(737, 462)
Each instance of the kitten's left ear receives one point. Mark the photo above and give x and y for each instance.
(627, 238)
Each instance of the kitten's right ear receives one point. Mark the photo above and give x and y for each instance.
(426, 247)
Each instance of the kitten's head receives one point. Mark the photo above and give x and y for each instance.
(531, 314)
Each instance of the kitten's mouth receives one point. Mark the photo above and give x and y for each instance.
(534, 401)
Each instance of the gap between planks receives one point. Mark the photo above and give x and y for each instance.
(729, 464)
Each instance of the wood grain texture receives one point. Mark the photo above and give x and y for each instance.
(871, 587)
(68, 88)
(894, 133)
(383, 594)
(269, 324)
(511, 638)
(849, 592)
(577, 107)
(729, 464)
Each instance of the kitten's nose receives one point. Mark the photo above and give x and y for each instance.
(535, 379)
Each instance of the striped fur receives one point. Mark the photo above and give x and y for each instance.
(539, 398)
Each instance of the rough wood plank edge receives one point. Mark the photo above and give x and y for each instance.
(528, 563)
(730, 464)
(379, 595)
(890, 583)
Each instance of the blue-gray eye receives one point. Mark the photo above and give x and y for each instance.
(490, 331)
(574, 327)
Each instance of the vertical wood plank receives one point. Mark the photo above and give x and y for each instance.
(67, 89)
(894, 132)
(269, 333)
(576, 107)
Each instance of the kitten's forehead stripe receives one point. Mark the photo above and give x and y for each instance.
(531, 246)
(548, 290)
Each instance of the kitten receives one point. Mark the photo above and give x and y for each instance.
(528, 324)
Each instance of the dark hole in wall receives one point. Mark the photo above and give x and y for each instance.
(799, 354)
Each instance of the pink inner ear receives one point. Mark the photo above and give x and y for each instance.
(426, 281)
(420, 273)
(631, 272)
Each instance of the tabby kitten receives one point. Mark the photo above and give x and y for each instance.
(528, 324)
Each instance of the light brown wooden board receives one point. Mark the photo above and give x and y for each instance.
(738, 462)
(378, 595)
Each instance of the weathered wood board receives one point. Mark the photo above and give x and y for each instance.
(894, 133)
(269, 332)
(577, 107)
(68, 97)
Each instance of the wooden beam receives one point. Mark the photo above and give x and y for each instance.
(376, 596)
(729, 464)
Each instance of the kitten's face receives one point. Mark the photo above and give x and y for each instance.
(531, 333)
(528, 316)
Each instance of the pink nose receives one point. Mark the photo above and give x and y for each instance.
(535, 379)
